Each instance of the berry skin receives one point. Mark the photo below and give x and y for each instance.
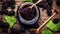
(4, 5)
(4, 11)
(1, 12)
(47, 6)
(11, 13)
(56, 20)
(58, 2)
(14, 31)
(4, 26)
(17, 31)
(11, 4)
(49, 12)
(49, 2)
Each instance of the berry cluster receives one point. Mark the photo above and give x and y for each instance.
(4, 26)
(17, 31)
(45, 4)
(5, 5)
(8, 3)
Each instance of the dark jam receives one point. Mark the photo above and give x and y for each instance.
(28, 13)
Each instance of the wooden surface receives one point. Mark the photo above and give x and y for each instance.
(43, 17)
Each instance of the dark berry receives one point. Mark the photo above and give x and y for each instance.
(7, 1)
(1, 12)
(11, 4)
(36, 25)
(41, 4)
(22, 30)
(5, 11)
(49, 2)
(58, 2)
(49, 12)
(4, 25)
(5, 30)
(56, 20)
(11, 13)
(17, 31)
(4, 5)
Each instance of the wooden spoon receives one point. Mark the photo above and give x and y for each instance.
(35, 4)
(37, 30)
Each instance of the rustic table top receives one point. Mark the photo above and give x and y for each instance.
(43, 17)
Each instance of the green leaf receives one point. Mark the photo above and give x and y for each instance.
(27, 0)
(52, 26)
(11, 20)
(58, 25)
(46, 32)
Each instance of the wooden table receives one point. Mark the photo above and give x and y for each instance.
(43, 17)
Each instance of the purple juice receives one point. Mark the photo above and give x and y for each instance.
(28, 13)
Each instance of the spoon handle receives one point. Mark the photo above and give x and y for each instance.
(37, 30)
(35, 3)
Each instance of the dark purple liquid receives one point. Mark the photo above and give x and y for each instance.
(28, 13)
